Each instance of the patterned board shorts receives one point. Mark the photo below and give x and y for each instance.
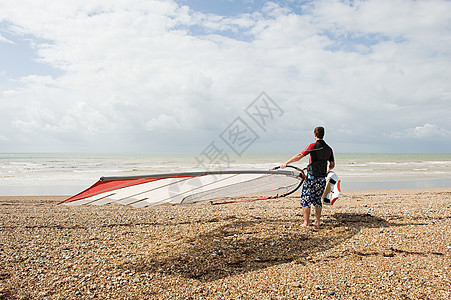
(312, 190)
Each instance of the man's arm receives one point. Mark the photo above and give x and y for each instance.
(293, 159)
(331, 166)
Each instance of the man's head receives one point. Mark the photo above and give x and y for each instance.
(319, 132)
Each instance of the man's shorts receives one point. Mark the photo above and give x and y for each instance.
(312, 191)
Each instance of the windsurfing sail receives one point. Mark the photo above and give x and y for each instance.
(188, 187)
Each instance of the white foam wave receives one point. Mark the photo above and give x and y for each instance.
(84, 169)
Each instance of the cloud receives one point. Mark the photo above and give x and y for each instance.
(427, 131)
(5, 40)
(163, 122)
(157, 68)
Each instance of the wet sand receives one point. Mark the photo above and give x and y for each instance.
(377, 245)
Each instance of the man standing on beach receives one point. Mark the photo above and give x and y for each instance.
(315, 181)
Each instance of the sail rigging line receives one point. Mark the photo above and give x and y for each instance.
(301, 175)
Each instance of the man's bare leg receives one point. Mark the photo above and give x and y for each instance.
(306, 212)
(318, 216)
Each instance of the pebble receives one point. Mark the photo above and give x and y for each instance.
(389, 249)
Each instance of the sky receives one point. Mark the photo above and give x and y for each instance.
(224, 75)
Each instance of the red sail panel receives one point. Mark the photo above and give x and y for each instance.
(106, 186)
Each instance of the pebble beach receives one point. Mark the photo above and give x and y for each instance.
(393, 244)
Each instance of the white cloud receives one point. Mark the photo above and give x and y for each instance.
(4, 138)
(427, 131)
(5, 40)
(163, 122)
(153, 67)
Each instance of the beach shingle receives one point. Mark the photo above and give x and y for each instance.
(387, 244)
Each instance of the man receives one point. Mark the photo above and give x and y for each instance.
(315, 181)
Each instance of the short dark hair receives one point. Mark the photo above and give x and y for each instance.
(319, 132)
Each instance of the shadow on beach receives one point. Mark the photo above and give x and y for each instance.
(234, 251)
(240, 246)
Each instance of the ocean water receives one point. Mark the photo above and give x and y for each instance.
(70, 173)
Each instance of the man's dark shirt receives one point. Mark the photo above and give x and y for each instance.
(320, 154)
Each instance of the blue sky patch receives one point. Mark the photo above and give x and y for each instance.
(354, 41)
(20, 58)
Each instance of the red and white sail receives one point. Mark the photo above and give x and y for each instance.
(175, 188)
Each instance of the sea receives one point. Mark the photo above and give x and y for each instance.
(42, 174)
